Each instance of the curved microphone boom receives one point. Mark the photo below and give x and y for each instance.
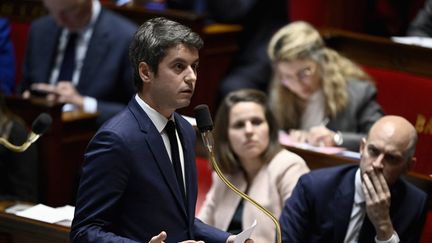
(39, 126)
(205, 126)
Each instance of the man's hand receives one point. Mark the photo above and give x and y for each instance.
(63, 92)
(377, 195)
(159, 238)
(163, 235)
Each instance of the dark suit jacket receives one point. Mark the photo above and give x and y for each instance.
(360, 114)
(320, 207)
(128, 188)
(260, 19)
(106, 74)
(422, 23)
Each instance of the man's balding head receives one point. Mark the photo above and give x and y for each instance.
(390, 147)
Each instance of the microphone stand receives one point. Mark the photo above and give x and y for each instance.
(209, 144)
(14, 148)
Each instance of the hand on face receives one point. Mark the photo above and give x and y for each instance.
(377, 196)
(63, 92)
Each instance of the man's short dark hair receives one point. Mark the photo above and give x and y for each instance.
(152, 40)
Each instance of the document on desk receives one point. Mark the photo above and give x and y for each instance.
(48, 214)
(285, 139)
(245, 234)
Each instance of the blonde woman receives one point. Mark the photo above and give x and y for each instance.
(249, 154)
(319, 96)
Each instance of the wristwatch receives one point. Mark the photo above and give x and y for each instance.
(337, 138)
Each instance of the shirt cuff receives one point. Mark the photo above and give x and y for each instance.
(90, 105)
(393, 239)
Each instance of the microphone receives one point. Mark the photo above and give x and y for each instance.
(205, 126)
(39, 126)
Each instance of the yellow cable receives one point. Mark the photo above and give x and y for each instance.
(243, 195)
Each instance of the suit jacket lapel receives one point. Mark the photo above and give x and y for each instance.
(189, 168)
(96, 51)
(157, 147)
(342, 206)
(48, 46)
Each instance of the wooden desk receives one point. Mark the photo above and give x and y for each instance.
(61, 148)
(15, 229)
(316, 160)
(379, 51)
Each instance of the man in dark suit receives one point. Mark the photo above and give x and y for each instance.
(366, 203)
(97, 76)
(139, 179)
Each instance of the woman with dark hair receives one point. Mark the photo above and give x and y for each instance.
(18, 171)
(249, 154)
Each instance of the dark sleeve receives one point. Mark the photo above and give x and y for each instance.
(208, 233)
(422, 23)
(294, 220)
(367, 113)
(104, 178)
(22, 168)
(416, 226)
(7, 59)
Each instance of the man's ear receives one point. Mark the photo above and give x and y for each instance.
(145, 72)
(362, 145)
(411, 163)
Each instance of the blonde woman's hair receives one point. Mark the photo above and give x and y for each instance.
(301, 41)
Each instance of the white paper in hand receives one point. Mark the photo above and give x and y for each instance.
(245, 234)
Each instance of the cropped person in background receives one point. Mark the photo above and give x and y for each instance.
(422, 23)
(7, 59)
(18, 171)
(317, 95)
(369, 202)
(248, 151)
(250, 67)
(79, 55)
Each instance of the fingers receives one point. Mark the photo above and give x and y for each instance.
(377, 196)
(298, 136)
(320, 136)
(159, 238)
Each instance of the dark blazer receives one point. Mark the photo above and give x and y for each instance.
(360, 114)
(7, 59)
(106, 74)
(260, 19)
(422, 23)
(320, 207)
(128, 190)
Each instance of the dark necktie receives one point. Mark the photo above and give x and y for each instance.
(68, 65)
(367, 231)
(175, 157)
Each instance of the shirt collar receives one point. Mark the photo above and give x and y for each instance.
(157, 118)
(358, 194)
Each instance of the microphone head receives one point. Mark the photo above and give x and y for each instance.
(203, 118)
(41, 124)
